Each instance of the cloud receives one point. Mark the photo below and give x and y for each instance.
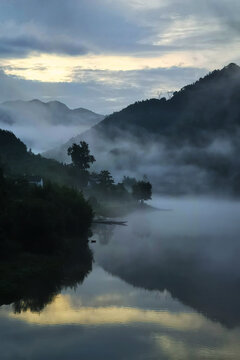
(95, 23)
(22, 45)
(123, 27)
(109, 49)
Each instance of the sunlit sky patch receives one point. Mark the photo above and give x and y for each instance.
(58, 42)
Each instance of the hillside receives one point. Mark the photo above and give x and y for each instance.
(188, 143)
(17, 161)
(210, 104)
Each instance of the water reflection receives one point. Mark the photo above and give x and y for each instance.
(32, 282)
(170, 291)
(198, 265)
(108, 318)
(104, 233)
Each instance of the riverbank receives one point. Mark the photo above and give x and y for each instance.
(116, 210)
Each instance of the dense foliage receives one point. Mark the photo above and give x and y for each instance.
(142, 190)
(43, 229)
(17, 161)
(194, 113)
(104, 195)
(41, 219)
(80, 155)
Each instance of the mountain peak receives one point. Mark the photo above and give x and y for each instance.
(57, 105)
(34, 101)
(232, 67)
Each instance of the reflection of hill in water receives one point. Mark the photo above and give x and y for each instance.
(202, 273)
(216, 295)
(30, 283)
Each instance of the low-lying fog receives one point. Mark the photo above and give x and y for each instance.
(42, 137)
(172, 167)
(44, 125)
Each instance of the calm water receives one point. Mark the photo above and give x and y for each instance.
(167, 286)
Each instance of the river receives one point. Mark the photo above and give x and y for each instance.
(166, 286)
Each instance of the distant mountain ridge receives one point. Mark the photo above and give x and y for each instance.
(52, 112)
(187, 143)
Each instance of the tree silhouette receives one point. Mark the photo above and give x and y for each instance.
(105, 179)
(80, 155)
(142, 190)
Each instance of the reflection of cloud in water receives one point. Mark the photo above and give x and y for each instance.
(62, 312)
(176, 349)
(105, 312)
(178, 335)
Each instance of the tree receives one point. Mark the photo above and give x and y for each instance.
(105, 179)
(142, 190)
(79, 178)
(80, 155)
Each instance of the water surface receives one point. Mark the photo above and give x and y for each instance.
(167, 286)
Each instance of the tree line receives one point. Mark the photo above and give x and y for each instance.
(102, 183)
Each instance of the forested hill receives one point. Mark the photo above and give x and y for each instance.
(18, 161)
(189, 143)
(210, 104)
(195, 113)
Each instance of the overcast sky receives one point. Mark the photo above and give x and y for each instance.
(106, 54)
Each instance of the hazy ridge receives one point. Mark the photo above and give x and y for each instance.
(43, 125)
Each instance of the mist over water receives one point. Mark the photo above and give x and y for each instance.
(190, 249)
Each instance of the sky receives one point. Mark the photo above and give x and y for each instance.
(106, 54)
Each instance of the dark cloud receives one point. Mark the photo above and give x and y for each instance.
(22, 45)
(95, 25)
(101, 26)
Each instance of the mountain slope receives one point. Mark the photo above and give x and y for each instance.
(210, 104)
(17, 161)
(188, 143)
